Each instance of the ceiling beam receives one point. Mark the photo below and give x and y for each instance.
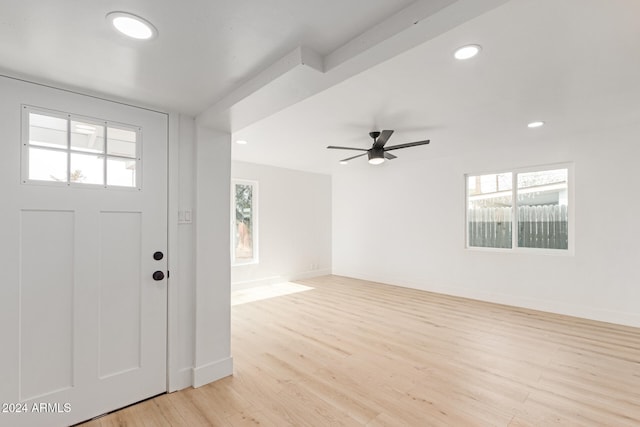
(303, 73)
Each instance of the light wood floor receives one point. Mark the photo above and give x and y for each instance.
(357, 353)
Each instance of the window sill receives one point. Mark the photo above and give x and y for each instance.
(523, 251)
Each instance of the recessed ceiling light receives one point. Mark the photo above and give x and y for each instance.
(344, 162)
(535, 124)
(241, 142)
(132, 26)
(466, 52)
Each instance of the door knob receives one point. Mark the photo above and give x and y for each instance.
(158, 275)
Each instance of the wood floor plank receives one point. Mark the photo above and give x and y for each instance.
(356, 353)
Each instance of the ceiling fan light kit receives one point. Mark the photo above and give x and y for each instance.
(378, 153)
(376, 156)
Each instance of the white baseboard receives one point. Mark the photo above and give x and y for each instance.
(264, 281)
(211, 372)
(182, 379)
(309, 274)
(590, 313)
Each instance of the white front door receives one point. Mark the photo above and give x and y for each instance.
(83, 320)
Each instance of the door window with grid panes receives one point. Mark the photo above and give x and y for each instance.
(67, 149)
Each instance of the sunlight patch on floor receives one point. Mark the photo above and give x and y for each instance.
(258, 293)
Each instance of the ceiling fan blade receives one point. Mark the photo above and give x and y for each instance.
(408, 144)
(389, 156)
(354, 157)
(382, 139)
(347, 148)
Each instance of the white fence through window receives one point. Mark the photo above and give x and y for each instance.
(538, 227)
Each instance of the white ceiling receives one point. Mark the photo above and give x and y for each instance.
(292, 77)
(572, 63)
(205, 48)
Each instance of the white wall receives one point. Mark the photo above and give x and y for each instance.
(212, 352)
(294, 225)
(182, 281)
(403, 224)
(199, 305)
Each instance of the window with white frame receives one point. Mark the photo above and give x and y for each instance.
(524, 208)
(244, 231)
(62, 148)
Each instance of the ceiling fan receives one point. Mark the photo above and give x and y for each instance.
(378, 152)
